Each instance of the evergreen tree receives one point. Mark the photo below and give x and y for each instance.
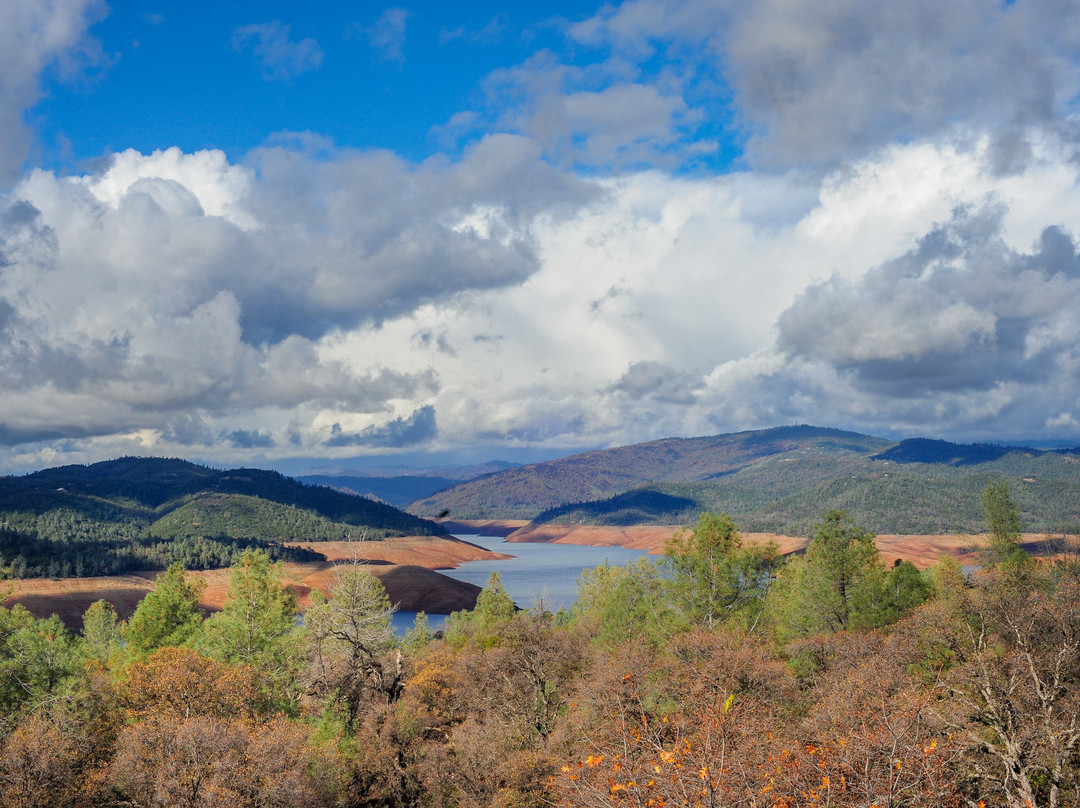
(714, 577)
(169, 615)
(839, 584)
(481, 626)
(102, 631)
(1003, 524)
(621, 604)
(256, 626)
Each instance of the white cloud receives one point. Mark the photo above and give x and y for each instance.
(279, 57)
(387, 34)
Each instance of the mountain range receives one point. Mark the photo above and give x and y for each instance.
(779, 480)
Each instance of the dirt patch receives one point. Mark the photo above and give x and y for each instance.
(922, 551)
(638, 537)
(411, 586)
(432, 552)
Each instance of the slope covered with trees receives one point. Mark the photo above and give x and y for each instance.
(146, 513)
(774, 479)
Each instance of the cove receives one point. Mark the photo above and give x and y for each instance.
(538, 571)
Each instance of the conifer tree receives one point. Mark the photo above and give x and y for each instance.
(169, 615)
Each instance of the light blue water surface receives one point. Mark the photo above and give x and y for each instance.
(538, 571)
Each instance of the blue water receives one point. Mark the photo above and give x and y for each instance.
(538, 572)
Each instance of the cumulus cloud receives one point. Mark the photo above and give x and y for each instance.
(34, 36)
(170, 285)
(279, 57)
(654, 380)
(599, 116)
(960, 311)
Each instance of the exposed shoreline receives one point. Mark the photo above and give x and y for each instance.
(407, 568)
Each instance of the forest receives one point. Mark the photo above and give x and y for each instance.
(147, 513)
(715, 674)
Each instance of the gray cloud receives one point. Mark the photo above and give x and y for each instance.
(824, 81)
(961, 312)
(35, 36)
(279, 57)
(596, 116)
(658, 382)
(173, 284)
(250, 439)
(418, 428)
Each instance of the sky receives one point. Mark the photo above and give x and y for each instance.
(291, 234)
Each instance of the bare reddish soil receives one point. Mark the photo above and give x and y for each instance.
(405, 566)
(922, 551)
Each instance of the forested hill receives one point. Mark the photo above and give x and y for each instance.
(144, 513)
(780, 480)
(525, 491)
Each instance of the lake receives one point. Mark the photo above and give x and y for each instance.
(538, 571)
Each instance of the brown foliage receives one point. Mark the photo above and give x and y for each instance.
(38, 765)
(204, 762)
(178, 683)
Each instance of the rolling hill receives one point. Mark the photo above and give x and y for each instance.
(144, 513)
(779, 480)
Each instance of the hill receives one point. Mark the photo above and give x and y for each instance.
(145, 513)
(780, 480)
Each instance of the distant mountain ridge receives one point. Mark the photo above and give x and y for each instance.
(779, 480)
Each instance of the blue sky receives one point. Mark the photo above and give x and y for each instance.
(366, 76)
(284, 233)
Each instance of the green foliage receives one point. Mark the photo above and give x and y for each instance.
(37, 659)
(256, 625)
(148, 513)
(1003, 525)
(482, 626)
(715, 578)
(906, 588)
(169, 615)
(838, 585)
(623, 604)
(419, 635)
(248, 517)
(102, 632)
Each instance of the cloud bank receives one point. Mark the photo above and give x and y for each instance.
(894, 250)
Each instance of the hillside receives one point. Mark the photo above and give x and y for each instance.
(144, 513)
(780, 480)
(525, 491)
